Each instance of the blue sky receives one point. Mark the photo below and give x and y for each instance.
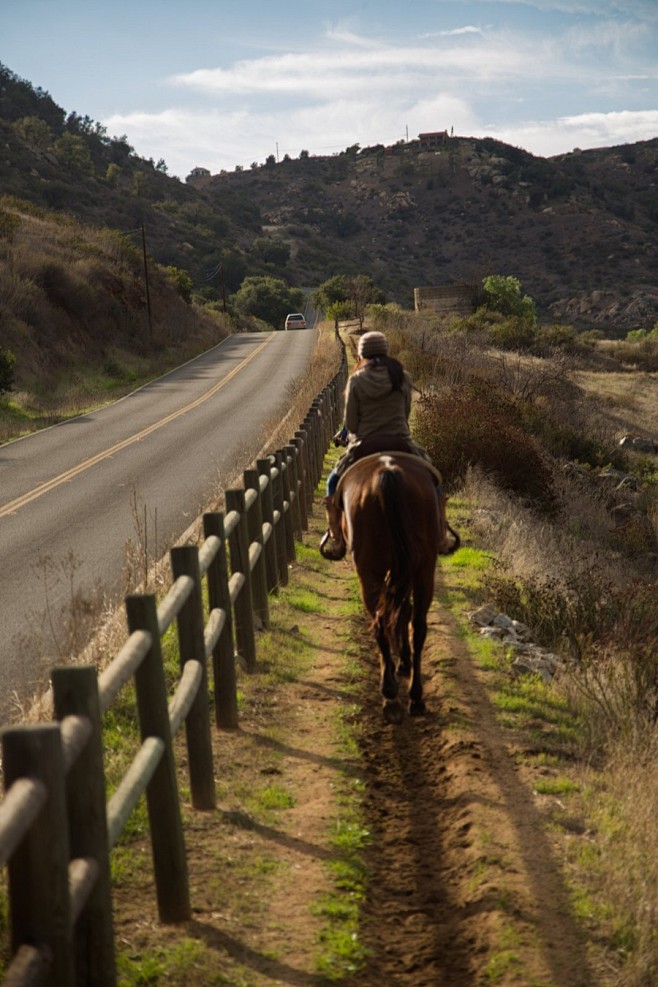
(220, 83)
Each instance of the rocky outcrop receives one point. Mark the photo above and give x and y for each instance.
(527, 657)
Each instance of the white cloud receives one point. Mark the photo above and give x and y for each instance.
(585, 130)
(348, 89)
(454, 33)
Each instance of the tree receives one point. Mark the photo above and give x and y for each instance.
(112, 174)
(35, 131)
(503, 294)
(330, 291)
(73, 153)
(271, 251)
(269, 299)
(353, 293)
(182, 282)
(361, 291)
(339, 312)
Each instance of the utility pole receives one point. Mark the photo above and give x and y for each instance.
(146, 280)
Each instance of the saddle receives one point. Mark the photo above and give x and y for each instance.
(374, 445)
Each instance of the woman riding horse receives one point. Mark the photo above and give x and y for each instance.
(377, 403)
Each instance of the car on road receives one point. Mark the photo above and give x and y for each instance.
(295, 321)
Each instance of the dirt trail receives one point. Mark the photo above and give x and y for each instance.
(466, 888)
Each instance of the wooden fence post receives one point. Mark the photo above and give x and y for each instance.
(316, 424)
(192, 647)
(288, 526)
(226, 699)
(290, 452)
(271, 568)
(167, 840)
(39, 867)
(301, 437)
(239, 552)
(280, 529)
(75, 693)
(309, 426)
(298, 444)
(251, 481)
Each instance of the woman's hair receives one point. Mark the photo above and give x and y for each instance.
(394, 367)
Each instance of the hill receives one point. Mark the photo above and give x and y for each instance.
(579, 230)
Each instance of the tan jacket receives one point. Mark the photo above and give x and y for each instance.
(371, 404)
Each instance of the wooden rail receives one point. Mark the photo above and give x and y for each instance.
(57, 828)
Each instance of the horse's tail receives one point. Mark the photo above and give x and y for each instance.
(395, 508)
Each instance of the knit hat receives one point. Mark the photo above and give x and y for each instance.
(373, 344)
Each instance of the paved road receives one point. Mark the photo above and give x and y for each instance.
(67, 494)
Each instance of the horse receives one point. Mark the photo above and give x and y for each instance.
(394, 523)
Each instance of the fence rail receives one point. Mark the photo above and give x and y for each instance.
(57, 827)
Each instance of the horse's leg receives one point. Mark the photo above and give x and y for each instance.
(404, 648)
(388, 678)
(423, 590)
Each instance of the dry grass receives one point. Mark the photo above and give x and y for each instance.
(73, 310)
(630, 400)
(587, 588)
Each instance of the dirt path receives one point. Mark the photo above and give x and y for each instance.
(465, 886)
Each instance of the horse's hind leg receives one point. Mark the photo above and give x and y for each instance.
(388, 680)
(402, 634)
(422, 600)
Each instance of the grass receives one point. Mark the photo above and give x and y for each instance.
(342, 952)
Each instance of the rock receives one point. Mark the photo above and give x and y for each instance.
(484, 615)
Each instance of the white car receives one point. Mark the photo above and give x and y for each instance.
(295, 321)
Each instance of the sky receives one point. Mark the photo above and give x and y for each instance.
(224, 83)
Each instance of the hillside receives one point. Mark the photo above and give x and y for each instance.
(579, 230)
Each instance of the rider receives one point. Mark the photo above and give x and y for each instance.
(377, 401)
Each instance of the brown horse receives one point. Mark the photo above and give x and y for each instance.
(394, 523)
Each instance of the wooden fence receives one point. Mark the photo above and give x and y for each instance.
(57, 828)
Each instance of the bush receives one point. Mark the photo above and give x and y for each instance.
(7, 361)
(463, 427)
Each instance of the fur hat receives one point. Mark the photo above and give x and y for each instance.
(373, 344)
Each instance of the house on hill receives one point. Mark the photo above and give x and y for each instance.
(433, 140)
(197, 173)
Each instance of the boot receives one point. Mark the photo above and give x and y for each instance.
(333, 544)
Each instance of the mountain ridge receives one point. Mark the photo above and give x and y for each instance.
(578, 230)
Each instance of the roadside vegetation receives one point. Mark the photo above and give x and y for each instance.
(528, 435)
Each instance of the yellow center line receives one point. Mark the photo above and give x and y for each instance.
(48, 485)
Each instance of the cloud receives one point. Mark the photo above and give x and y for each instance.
(585, 130)
(345, 89)
(454, 33)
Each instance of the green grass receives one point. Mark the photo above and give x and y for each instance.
(343, 954)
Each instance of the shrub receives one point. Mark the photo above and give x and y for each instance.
(7, 361)
(464, 427)
(182, 282)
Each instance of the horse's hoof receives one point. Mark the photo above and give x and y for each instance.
(417, 707)
(392, 711)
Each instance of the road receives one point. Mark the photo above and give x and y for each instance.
(72, 496)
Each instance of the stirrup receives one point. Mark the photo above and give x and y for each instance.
(335, 553)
